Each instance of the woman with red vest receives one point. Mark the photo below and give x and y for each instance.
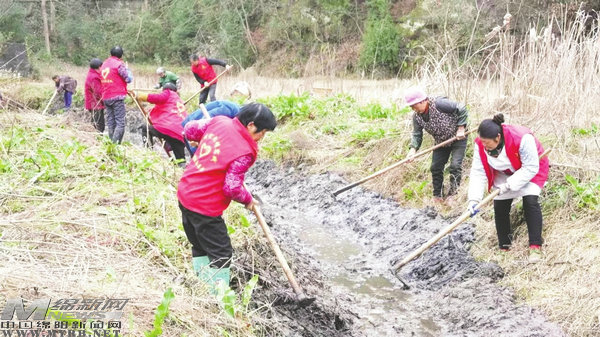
(204, 73)
(507, 157)
(215, 176)
(115, 77)
(93, 94)
(166, 118)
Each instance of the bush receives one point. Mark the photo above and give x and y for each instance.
(381, 41)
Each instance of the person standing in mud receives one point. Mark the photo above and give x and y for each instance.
(115, 77)
(443, 119)
(93, 94)
(166, 118)
(507, 157)
(215, 176)
(66, 85)
(204, 73)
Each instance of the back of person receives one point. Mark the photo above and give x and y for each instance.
(93, 90)
(168, 116)
(113, 85)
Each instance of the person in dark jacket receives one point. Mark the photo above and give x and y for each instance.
(204, 73)
(93, 94)
(443, 119)
(66, 85)
(215, 108)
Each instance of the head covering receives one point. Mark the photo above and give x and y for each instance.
(414, 95)
(160, 70)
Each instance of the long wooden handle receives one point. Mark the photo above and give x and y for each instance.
(49, 102)
(393, 166)
(450, 227)
(207, 85)
(278, 253)
(204, 111)
(140, 107)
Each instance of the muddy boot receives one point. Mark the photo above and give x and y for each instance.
(199, 263)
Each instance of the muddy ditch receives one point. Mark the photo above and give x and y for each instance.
(341, 252)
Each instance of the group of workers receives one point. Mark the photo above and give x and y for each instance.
(224, 147)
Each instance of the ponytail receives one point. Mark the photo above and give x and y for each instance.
(490, 128)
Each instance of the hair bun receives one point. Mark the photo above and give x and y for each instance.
(498, 118)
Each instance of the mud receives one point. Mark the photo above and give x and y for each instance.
(341, 252)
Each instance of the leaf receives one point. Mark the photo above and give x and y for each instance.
(248, 289)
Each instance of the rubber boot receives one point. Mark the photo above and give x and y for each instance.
(216, 278)
(199, 263)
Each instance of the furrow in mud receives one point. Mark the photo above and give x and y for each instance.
(343, 249)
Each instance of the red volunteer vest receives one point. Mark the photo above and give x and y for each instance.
(93, 90)
(512, 141)
(113, 84)
(167, 117)
(204, 70)
(201, 187)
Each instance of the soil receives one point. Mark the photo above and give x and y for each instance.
(341, 252)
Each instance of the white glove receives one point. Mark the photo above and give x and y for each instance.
(504, 188)
(471, 207)
(410, 154)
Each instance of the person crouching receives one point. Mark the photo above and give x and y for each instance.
(227, 148)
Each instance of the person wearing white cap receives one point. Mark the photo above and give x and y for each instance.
(165, 76)
(443, 119)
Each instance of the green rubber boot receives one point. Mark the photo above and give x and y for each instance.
(216, 279)
(199, 263)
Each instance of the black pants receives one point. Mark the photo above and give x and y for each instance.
(206, 92)
(98, 119)
(438, 162)
(533, 217)
(115, 119)
(208, 236)
(176, 145)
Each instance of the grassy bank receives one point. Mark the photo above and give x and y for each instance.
(82, 217)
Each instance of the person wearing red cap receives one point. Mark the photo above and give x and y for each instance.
(443, 119)
(507, 157)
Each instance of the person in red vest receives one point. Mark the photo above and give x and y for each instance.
(166, 118)
(215, 176)
(507, 157)
(204, 73)
(93, 94)
(115, 77)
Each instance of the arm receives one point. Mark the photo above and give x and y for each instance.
(125, 73)
(198, 78)
(158, 98)
(215, 62)
(477, 178)
(96, 89)
(450, 107)
(234, 180)
(417, 134)
(530, 164)
(194, 130)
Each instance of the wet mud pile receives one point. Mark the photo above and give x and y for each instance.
(341, 252)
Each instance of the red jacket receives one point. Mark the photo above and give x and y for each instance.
(204, 70)
(113, 84)
(201, 187)
(93, 90)
(512, 141)
(168, 113)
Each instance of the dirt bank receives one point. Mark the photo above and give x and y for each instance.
(343, 250)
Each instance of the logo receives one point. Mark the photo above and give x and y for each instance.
(209, 148)
(105, 72)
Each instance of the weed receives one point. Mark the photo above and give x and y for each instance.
(290, 107)
(593, 130)
(588, 194)
(161, 314)
(233, 305)
(363, 136)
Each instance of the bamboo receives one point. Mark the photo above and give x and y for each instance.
(393, 166)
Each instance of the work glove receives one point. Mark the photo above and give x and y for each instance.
(460, 133)
(471, 208)
(411, 153)
(504, 188)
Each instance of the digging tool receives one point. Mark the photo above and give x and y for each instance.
(303, 300)
(204, 111)
(50, 102)
(466, 215)
(207, 85)
(393, 166)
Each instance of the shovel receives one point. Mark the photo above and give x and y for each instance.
(466, 215)
(302, 299)
(382, 171)
(49, 102)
